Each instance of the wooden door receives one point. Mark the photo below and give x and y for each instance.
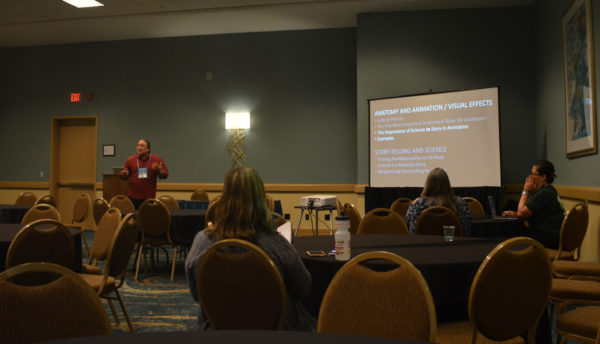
(73, 163)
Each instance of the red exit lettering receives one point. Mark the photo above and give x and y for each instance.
(75, 97)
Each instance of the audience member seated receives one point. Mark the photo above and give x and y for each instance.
(242, 213)
(437, 191)
(540, 205)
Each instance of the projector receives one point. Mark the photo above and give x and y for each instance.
(318, 201)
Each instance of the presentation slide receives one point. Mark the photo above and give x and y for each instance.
(457, 131)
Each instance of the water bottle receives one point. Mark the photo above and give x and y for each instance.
(342, 238)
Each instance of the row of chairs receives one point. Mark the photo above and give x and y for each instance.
(504, 302)
(401, 205)
(29, 199)
(49, 241)
(388, 221)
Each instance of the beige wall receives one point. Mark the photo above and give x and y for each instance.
(290, 195)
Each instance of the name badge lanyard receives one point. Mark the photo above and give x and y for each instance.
(143, 172)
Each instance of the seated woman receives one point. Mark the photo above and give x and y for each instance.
(540, 205)
(242, 213)
(437, 191)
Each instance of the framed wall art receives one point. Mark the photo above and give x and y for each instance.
(580, 104)
(109, 150)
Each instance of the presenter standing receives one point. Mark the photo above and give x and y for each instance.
(142, 170)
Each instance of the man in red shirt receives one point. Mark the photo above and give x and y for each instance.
(143, 169)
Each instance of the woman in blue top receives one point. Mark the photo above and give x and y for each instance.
(438, 192)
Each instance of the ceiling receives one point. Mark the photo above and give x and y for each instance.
(42, 22)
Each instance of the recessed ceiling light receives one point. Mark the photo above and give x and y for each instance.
(83, 3)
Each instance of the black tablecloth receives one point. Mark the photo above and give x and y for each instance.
(448, 267)
(8, 232)
(10, 213)
(185, 223)
(228, 337)
(487, 227)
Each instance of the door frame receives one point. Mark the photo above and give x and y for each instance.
(54, 158)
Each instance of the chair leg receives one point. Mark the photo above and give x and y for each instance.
(166, 253)
(137, 265)
(112, 309)
(174, 260)
(124, 311)
(87, 247)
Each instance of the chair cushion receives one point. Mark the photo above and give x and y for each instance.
(460, 332)
(575, 289)
(564, 255)
(576, 268)
(95, 281)
(92, 269)
(582, 321)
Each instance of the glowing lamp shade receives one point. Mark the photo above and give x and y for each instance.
(237, 120)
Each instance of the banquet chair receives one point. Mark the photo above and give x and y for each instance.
(26, 199)
(104, 233)
(100, 207)
(81, 209)
(475, 206)
(400, 205)
(123, 203)
(583, 291)
(121, 247)
(270, 202)
(170, 202)
(278, 220)
(200, 195)
(46, 199)
(155, 220)
(508, 295)
(572, 232)
(362, 302)
(65, 307)
(580, 324)
(40, 211)
(355, 218)
(432, 220)
(42, 241)
(382, 221)
(239, 287)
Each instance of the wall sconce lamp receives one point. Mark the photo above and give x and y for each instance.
(237, 121)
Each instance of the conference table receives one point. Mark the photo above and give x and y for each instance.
(10, 213)
(227, 337)
(498, 227)
(9, 230)
(190, 204)
(185, 223)
(448, 267)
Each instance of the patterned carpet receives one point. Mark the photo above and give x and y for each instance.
(154, 303)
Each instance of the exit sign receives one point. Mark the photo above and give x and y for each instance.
(75, 97)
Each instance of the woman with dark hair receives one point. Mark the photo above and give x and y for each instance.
(540, 205)
(241, 212)
(438, 192)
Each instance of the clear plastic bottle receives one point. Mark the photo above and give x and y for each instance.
(342, 238)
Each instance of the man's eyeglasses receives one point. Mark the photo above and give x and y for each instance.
(536, 174)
